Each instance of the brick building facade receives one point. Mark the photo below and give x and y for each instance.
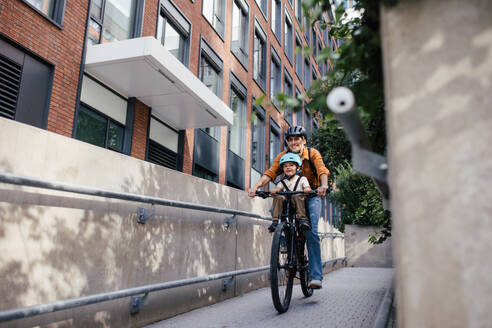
(240, 49)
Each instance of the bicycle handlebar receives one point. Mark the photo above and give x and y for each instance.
(266, 194)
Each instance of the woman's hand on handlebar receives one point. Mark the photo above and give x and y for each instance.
(262, 194)
(252, 192)
(322, 191)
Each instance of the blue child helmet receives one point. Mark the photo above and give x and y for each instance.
(291, 157)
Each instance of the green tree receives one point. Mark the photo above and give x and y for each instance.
(356, 64)
(360, 201)
(332, 143)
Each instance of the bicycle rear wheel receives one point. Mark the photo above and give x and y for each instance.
(281, 278)
(304, 272)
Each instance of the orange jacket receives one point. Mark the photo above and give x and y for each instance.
(316, 159)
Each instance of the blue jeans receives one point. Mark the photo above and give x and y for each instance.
(313, 241)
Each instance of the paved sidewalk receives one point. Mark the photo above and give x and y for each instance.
(350, 298)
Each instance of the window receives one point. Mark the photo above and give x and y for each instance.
(276, 22)
(214, 12)
(288, 92)
(325, 33)
(210, 73)
(257, 144)
(263, 4)
(275, 145)
(307, 122)
(101, 116)
(53, 9)
(299, 11)
(259, 56)
(288, 37)
(237, 132)
(98, 129)
(319, 48)
(307, 73)
(112, 20)
(173, 29)
(298, 113)
(298, 57)
(44, 6)
(203, 173)
(240, 30)
(163, 144)
(307, 31)
(236, 166)
(275, 79)
(313, 43)
(274, 141)
(315, 76)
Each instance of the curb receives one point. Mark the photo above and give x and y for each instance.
(383, 313)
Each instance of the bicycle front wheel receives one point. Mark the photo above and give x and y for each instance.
(281, 277)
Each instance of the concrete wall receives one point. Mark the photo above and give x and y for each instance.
(438, 80)
(57, 245)
(361, 253)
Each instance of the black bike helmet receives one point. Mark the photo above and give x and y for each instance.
(295, 131)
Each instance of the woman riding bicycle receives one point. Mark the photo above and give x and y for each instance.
(317, 174)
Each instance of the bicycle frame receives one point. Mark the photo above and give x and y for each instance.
(288, 233)
(295, 232)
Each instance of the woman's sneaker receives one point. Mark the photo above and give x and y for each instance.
(315, 284)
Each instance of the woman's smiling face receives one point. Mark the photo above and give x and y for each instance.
(295, 143)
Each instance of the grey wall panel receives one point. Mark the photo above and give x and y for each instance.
(206, 152)
(235, 169)
(34, 95)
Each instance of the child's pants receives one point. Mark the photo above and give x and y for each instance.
(297, 201)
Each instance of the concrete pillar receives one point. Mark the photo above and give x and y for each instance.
(438, 80)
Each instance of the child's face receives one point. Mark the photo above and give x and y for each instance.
(290, 168)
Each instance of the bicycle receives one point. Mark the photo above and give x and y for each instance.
(289, 254)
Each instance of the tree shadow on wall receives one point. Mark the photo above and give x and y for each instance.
(70, 245)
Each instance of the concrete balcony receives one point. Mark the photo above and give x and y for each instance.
(145, 69)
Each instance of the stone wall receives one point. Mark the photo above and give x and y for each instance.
(438, 79)
(58, 245)
(361, 253)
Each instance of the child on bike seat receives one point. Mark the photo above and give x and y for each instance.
(291, 181)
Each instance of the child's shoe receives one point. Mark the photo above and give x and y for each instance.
(304, 224)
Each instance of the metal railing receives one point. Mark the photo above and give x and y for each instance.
(61, 186)
(136, 301)
(333, 235)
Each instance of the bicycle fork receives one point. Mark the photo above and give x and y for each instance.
(292, 249)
